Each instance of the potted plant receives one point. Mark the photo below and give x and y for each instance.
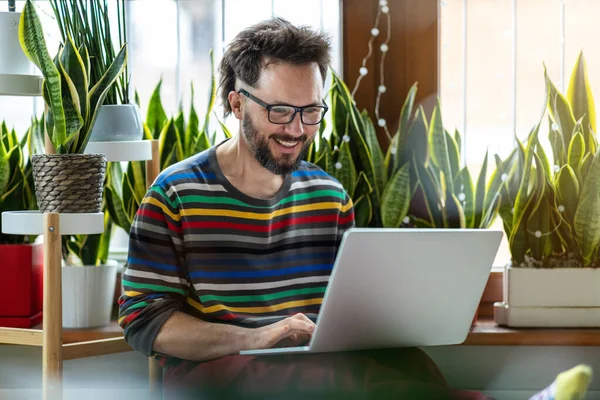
(69, 181)
(417, 182)
(550, 216)
(88, 23)
(22, 258)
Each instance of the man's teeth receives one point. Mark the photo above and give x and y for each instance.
(286, 143)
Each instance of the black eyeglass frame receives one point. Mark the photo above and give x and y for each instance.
(300, 110)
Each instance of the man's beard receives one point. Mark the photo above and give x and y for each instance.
(260, 146)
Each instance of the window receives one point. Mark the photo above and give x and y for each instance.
(492, 56)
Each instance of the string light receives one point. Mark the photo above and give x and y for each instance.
(384, 47)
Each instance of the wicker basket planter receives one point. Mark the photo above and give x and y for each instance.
(69, 183)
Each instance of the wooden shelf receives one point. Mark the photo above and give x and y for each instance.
(135, 150)
(20, 85)
(488, 333)
(32, 223)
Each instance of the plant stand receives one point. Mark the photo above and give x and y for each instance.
(53, 226)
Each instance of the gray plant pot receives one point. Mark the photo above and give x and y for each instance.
(120, 122)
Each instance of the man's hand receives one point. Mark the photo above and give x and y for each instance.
(291, 331)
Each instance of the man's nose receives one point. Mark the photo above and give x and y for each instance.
(295, 126)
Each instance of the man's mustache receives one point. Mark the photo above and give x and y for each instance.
(287, 138)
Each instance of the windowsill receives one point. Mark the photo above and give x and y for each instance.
(487, 333)
(484, 333)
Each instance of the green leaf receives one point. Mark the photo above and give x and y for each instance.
(347, 173)
(454, 214)
(116, 209)
(31, 38)
(439, 146)
(98, 93)
(464, 184)
(560, 111)
(169, 145)
(396, 198)
(587, 223)
(403, 132)
(586, 163)
(576, 151)
(156, 117)
(75, 74)
(480, 193)
(212, 93)
(363, 212)
(453, 155)
(193, 130)
(581, 99)
(567, 188)
(417, 142)
(380, 173)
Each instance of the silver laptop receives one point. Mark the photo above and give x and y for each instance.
(401, 288)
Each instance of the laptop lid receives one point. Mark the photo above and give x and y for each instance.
(404, 287)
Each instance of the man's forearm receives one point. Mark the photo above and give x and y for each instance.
(190, 338)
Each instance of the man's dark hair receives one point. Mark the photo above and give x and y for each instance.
(273, 40)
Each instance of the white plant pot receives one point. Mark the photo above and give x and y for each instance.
(117, 122)
(12, 58)
(550, 297)
(87, 295)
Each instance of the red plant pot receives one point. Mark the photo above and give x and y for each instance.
(21, 284)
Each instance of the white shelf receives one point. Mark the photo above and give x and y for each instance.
(135, 150)
(20, 85)
(32, 223)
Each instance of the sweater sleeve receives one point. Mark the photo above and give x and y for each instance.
(155, 282)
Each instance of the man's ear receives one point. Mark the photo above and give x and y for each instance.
(235, 101)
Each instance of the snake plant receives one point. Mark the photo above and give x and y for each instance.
(178, 139)
(417, 182)
(72, 104)
(87, 22)
(16, 178)
(551, 214)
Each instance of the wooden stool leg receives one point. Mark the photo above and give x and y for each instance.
(156, 378)
(52, 361)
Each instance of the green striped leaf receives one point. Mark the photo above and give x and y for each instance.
(576, 151)
(99, 92)
(33, 43)
(402, 134)
(212, 93)
(584, 169)
(480, 193)
(156, 117)
(396, 198)
(192, 130)
(75, 74)
(380, 172)
(439, 146)
(116, 209)
(560, 111)
(581, 99)
(587, 223)
(454, 214)
(464, 185)
(453, 155)
(346, 174)
(567, 188)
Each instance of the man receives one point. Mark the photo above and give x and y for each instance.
(232, 249)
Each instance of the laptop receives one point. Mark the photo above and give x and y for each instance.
(401, 288)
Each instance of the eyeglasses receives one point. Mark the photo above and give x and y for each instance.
(284, 114)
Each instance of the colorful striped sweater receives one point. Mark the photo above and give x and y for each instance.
(199, 245)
